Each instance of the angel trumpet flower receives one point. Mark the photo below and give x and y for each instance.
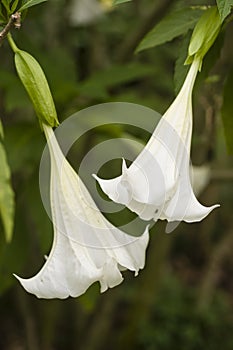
(157, 184)
(84, 12)
(86, 247)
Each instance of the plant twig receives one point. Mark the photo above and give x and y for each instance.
(14, 21)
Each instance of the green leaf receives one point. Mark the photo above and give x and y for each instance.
(6, 5)
(14, 6)
(224, 8)
(117, 2)
(30, 3)
(174, 24)
(7, 205)
(181, 70)
(35, 82)
(227, 114)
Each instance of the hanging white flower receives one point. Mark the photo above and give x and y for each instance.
(157, 184)
(82, 12)
(86, 247)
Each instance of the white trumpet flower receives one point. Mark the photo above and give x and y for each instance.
(86, 247)
(157, 184)
(82, 12)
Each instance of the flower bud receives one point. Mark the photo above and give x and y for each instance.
(35, 82)
(204, 34)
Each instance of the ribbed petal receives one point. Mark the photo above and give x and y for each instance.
(157, 184)
(185, 206)
(86, 247)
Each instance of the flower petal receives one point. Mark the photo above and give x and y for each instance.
(86, 247)
(184, 206)
(157, 184)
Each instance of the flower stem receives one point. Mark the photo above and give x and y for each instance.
(12, 43)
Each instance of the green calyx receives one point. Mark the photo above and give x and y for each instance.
(204, 34)
(35, 82)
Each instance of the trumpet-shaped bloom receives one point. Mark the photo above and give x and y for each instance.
(157, 184)
(86, 247)
(84, 12)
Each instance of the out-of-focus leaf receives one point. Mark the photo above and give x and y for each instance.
(97, 86)
(117, 2)
(224, 8)
(6, 5)
(1, 130)
(227, 112)
(14, 6)
(181, 69)
(13, 256)
(30, 3)
(7, 205)
(174, 24)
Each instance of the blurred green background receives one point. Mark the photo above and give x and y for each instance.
(183, 297)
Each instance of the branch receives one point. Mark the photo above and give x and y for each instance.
(14, 21)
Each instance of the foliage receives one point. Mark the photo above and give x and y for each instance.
(174, 24)
(176, 323)
(116, 2)
(6, 195)
(224, 7)
(30, 3)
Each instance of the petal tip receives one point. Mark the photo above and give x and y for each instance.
(17, 277)
(124, 167)
(22, 281)
(95, 177)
